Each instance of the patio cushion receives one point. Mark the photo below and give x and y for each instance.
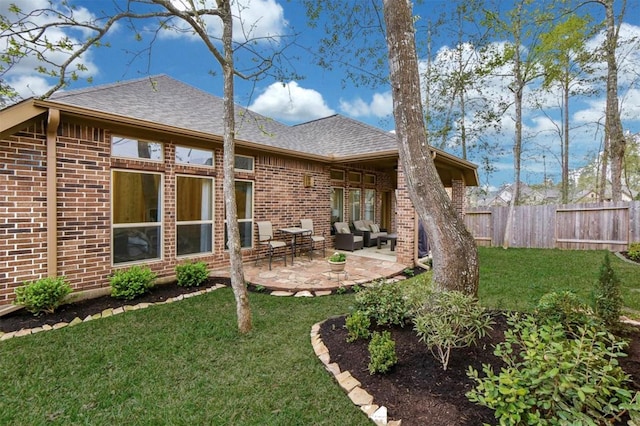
(360, 225)
(344, 230)
(375, 228)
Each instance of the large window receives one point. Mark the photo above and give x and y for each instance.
(337, 206)
(194, 211)
(137, 218)
(244, 203)
(134, 148)
(370, 204)
(354, 204)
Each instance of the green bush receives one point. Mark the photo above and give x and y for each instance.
(130, 283)
(549, 379)
(357, 325)
(384, 303)
(608, 298)
(43, 295)
(634, 251)
(449, 320)
(191, 274)
(382, 352)
(565, 308)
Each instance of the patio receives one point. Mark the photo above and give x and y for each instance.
(314, 275)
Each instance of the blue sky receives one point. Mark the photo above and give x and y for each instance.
(321, 92)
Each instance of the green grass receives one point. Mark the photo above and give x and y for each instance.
(185, 363)
(516, 278)
(182, 363)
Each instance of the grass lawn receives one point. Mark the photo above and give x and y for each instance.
(516, 278)
(185, 363)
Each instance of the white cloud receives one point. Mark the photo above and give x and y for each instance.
(252, 19)
(290, 102)
(381, 106)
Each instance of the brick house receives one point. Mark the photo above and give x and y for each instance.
(96, 179)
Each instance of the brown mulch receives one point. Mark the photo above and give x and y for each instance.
(417, 390)
(66, 313)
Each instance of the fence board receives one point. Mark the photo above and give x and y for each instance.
(610, 226)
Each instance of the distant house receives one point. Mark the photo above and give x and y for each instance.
(98, 179)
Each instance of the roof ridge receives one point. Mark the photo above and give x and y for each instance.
(106, 86)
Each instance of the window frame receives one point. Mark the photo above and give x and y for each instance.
(342, 172)
(352, 204)
(373, 206)
(197, 222)
(253, 163)
(207, 166)
(118, 136)
(355, 174)
(251, 220)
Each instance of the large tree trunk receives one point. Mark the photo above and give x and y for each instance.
(455, 256)
(613, 124)
(243, 309)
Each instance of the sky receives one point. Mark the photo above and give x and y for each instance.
(317, 92)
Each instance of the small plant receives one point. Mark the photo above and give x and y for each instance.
(384, 303)
(130, 283)
(341, 290)
(338, 257)
(565, 308)
(357, 325)
(43, 295)
(448, 320)
(634, 251)
(382, 352)
(408, 272)
(191, 274)
(356, 288)
(608, 299)
(549, 379)
(260, 288)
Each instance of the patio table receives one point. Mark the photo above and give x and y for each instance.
(294, 231)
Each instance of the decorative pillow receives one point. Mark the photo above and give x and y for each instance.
(344, 230)
(375, 228)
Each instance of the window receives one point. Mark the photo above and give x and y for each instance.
(194, 156)
(355, 177)
(369, 179)
(243, 163)
(136, 216)
(337, 206)
(354, 204)
(337, 175)
(134, 148)
(370, 204)
(194, 215)
(244, 203)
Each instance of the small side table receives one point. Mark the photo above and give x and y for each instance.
(392, 238)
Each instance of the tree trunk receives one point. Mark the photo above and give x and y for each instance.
(243, 310)
(455, 257)
(565, 143)
(613, 124)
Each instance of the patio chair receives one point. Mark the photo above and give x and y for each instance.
(265, 239)
(369, 231)
(308, 224)
(345, 239)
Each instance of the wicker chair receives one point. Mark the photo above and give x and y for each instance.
(345, 239)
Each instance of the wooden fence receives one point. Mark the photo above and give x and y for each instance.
(610, 226)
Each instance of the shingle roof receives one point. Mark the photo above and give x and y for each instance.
(162, 99)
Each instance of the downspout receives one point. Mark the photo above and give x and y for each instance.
(53, 122)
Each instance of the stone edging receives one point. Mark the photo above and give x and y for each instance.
(351, 386)
(620, 256)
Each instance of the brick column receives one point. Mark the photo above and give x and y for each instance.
(405, 220)
(457, 195)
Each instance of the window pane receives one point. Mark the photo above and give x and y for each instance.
(136, 197)
(369, 178)
(243, 163)
(337, 174)
(194, 199)
(337, 205)
(200, 157)
(244, 199)
(370, 204)
(136, 243)
(195, 238)
(133, 148)
(354, 202)
(246, 234)
(355, 177)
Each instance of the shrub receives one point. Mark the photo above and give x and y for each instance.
(565, 308)
(191, 274)
(131, 283)
(382, 352)
(357, 325)
(634, 251)
(608, 299)
(549, 379)
(449, 320)
(43, 295)
(383, 303)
